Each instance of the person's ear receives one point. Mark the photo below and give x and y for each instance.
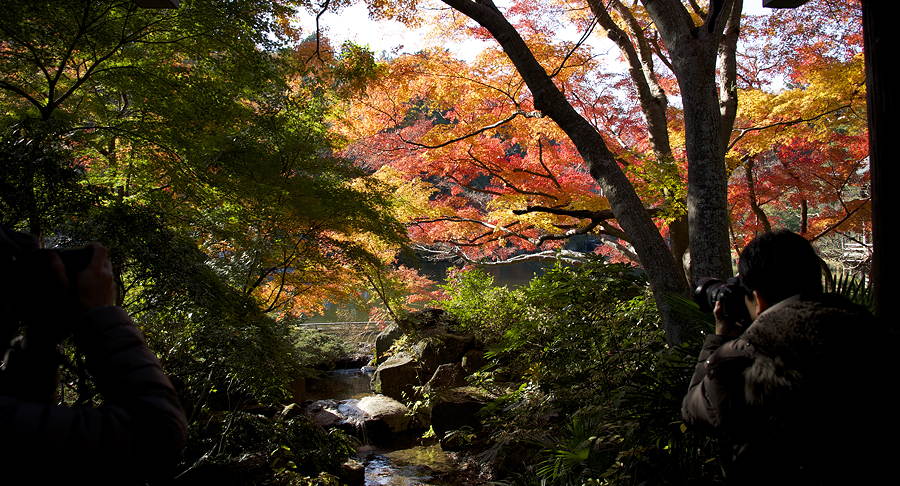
(760, 302)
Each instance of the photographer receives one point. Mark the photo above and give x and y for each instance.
(138, 431)
(796, 393)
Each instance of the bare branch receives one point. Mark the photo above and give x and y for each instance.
(317, 53)
(575, 213)
(578, 44)
(547, 169)
(447, 252)
(471, 188)
(745, 131)
(840, 222)
(507, 182)
(15, 89)
(529, 114)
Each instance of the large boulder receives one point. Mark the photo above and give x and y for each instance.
(441, 348)
(396, 377)
(353, 473)
(457, 408)
(436, 340)
(447, 375)
(385, 340)
(427, 319)
(473, 360)
(343, 414)
(374, 418)
(392, 413)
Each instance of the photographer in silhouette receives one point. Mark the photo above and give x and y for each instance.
(799, 393)
(136, 433)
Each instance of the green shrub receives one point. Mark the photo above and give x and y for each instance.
(316, 349)
(586, 378)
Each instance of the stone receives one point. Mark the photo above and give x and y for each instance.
(372, 418)
(426, 319)
(385, 340)
(473, 360)
(439, 349)
(457, 408)
(396, 376)
(447, 375)
(291, 411)
(353, 473)
(325, 413)
(385, 409)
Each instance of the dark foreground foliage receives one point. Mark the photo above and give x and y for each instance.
(589, 391)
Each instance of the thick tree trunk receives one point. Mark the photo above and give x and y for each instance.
(694, 50)
(707, 182)
(881, 95)
(654, 104)
(679, 243)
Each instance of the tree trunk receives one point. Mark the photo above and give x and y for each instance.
(626, 205)
(707, 181)
(761, 216)
(679, 243)
(694, 50)
(881, 96)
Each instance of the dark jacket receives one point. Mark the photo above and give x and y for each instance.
(137, 433)
(801, 396)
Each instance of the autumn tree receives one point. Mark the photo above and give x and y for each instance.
(214, 114)
(801, 152)
(658, 39)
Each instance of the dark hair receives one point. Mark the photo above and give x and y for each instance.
(780, 264)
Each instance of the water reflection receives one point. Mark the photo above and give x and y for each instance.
(405, 462)
(420, 465)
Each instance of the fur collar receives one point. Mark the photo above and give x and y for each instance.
(797, 344)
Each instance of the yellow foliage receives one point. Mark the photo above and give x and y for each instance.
(410, 199)
(832, 94)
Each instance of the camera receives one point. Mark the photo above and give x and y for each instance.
(19, 251)
(729, 292)
(22, 262)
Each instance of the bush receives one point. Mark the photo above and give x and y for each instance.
(587, 380)
(251, 448)
(318, 350)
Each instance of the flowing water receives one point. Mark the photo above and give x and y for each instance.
(406, 461)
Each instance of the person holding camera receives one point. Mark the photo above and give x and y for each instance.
(138, 431)
(799, 393)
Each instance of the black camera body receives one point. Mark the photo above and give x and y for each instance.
(730, 293)
(22, 263)
(19, 251)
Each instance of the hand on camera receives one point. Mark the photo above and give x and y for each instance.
(725, 327)
(54, 299)
(94, 286)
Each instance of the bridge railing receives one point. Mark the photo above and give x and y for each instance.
(349, 330)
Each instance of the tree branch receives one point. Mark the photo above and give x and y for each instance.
(745, 131)
(448, 252)
(840, 222)
(578, 44)
(507, 182)
(530, 114)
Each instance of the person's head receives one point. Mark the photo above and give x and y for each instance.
(778, 265)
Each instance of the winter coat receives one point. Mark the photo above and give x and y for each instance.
(801, 397)
(136, 433)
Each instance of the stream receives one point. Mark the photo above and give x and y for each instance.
(404, 461)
